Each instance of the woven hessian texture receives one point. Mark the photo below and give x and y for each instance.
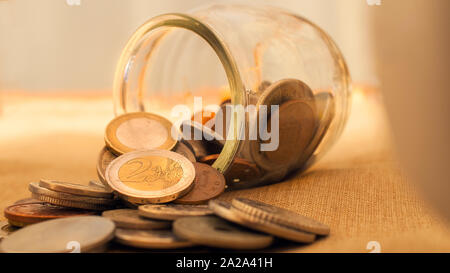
(358, 189)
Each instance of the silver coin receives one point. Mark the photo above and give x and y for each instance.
(173, 211)
(215, 232)
(35, 188)
(61, 235)
(130, 219)
(157, 239)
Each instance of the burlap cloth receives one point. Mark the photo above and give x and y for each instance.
(358, 189)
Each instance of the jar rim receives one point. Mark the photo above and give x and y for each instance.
(179, 20)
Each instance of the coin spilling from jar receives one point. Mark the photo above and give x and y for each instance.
(161, 191)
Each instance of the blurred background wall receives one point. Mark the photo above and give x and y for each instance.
(58, 45)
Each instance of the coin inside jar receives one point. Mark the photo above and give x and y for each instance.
(172, 211)
(296, 127)
(208, 184)
(139, 131)
(283, 91)
(240, 170)
(30, 213)
(185, 151)
(58, 235)
(130, 219)
(325, 111)
(215, 232)
(154, 176)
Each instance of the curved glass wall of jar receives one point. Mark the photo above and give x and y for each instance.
(222, 57)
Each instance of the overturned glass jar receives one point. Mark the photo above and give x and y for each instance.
(270, 87)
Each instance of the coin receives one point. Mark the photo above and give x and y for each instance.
(100, 185)
(154, 176)
(222, 120)
(240, 170)
(283, 91)
(130, 219)
(76, 189)
(195, 131)
(297, 124)
(198, 146)
(31, 213)
(27, 200)
(279, 215)
(158, 239)
(185, 151)
(69, 200)
(6, 229)
(139, 131)
(208, 184)
(263, 86)
(325, 110)
(215, 232)
(172, 211)
(59, 235)
(279, 230)
(223, 210)
(228, 212)
(104, 159)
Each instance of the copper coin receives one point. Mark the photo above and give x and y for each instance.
(185, 151)
(30, 213)
(296, 127)
(240, 170)
(283, 91)
(104, 159)
(208, 184)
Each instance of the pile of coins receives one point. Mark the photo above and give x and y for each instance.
(156, 191)
(243, 224)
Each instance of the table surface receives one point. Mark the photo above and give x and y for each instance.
(358, 188)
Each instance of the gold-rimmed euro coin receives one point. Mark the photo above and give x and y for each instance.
(139, 131)
(153, 176)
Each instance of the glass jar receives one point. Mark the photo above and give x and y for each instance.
(233, 51)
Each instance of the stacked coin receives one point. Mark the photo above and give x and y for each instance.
(143, 164)
(72, 195)
(72, 234)
(247, 224)
(56, 199)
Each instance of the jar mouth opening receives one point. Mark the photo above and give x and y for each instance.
(177, 20)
